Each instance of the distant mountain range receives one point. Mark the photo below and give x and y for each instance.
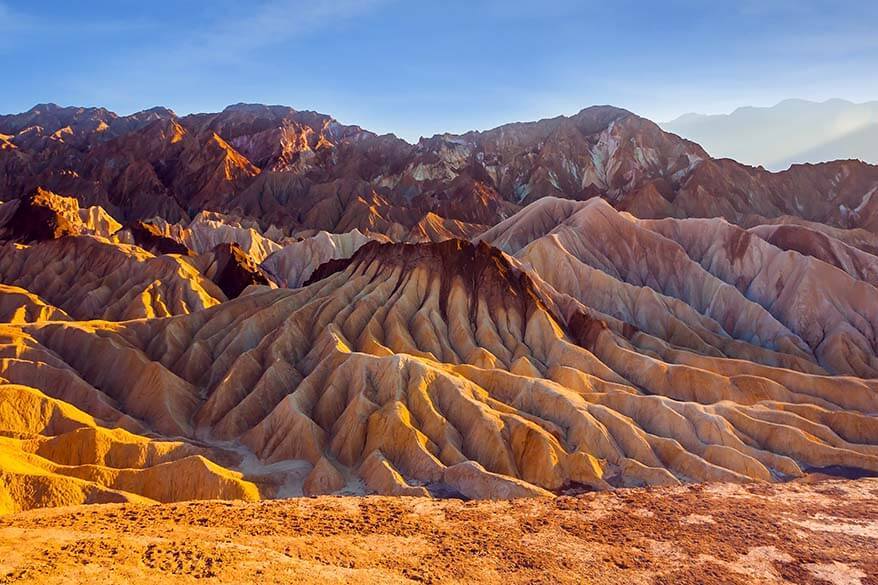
(303, 171)
(793, 131)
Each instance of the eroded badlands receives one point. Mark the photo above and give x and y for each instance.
(263, 303)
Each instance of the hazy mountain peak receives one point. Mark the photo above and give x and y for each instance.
(792, 131)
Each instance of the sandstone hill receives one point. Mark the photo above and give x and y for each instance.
(264, 303)
(449, 369)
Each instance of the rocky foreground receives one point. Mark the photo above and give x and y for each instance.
(824, 532)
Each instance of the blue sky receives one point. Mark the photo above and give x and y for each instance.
(418, 67)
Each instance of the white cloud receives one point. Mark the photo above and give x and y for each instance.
(234, 36)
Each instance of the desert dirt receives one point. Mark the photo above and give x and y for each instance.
(819, 533)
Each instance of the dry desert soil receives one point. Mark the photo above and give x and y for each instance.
(818, 532)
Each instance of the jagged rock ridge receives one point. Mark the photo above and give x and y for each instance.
(304, 171)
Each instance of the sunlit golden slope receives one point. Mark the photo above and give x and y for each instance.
(92, 278)
(448, 369)
(18, 305)
(53, 454)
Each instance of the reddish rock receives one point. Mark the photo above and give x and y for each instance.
(43, 215)
(233, 270)
(150, 237)
(304, 170)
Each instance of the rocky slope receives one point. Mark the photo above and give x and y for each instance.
(786, 306)
(305, 171)
(91, 278)
(347, 313)
(448, 369)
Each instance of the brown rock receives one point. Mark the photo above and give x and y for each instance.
(149, 237)
(232, 269)
(43, 215)
(471, 480)
(324, 478)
